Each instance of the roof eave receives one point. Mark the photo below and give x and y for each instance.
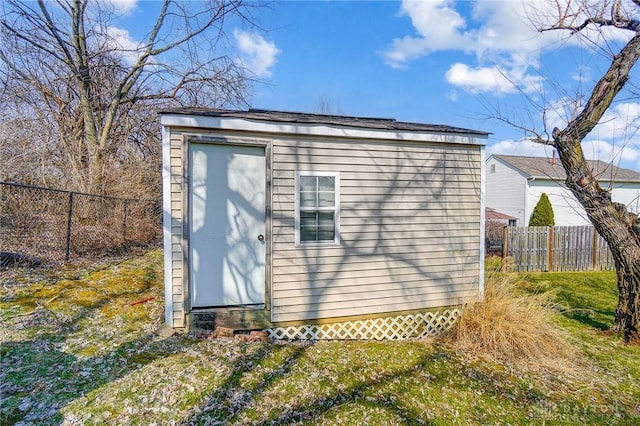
(239, 122)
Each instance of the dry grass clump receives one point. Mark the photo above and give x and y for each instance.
(509, 327)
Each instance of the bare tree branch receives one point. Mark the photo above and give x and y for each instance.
(619, 227)
(603, 93)
(63, 55)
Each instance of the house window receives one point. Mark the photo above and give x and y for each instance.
(317, 208)
(493, 168)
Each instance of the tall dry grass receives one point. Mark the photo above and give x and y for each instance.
(510, 327)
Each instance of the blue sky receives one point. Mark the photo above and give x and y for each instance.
(430, 61)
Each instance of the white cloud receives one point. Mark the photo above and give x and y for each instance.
(622, 154)
(502, 41)
(507, 56)
(617, 136)
(492, 79)
(504, 27)
(120, 40)
(582, 74)
(501, 34)
(125, 6)
(559, 112)
(438, 25)
(627, 155)
(257, 54)
(479, 79)
(525, 148)
(119, 7)
(111, 37)
(620, 122)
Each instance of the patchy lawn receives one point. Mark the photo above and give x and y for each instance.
(78, 345)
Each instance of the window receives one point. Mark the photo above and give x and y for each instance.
(493, 168)
(317, 208)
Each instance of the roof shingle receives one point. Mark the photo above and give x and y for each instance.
(309, 118)
(551, 168)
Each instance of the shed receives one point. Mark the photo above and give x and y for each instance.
(279, 218)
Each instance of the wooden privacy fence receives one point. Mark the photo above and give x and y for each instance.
(556, 248)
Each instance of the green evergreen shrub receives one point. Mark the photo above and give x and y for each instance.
(542, 213)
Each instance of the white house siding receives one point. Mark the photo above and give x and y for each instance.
(409, 228)
(566, 209)
(506, 189)
(512, 191)
(626, 193)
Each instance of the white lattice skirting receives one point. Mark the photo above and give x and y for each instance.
(388, 328)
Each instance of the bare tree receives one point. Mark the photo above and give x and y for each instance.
(619, 227)
(64, 63)
(326, 106)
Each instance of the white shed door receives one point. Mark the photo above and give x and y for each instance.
(227, 225)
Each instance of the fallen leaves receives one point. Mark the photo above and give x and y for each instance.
(111, 362)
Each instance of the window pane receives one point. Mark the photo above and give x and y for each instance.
(326, 234)
(308, 199)
(308, 234)
(326, 199)
(308, 183)
(317, 202)
(308, 219)
(326, 183)
(325, 219)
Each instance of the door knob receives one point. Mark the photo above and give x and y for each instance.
(260, 237)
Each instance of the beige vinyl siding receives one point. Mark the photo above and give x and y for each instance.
(409, 229)
(177, 234)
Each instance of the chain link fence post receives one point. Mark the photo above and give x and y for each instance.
(67, 255)
(124, 222)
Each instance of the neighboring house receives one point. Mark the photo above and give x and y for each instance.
(495, 222)
(492, 215)
(515, 184)
(306, 217)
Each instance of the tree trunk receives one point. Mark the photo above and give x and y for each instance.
(619, 228)
(627, 318)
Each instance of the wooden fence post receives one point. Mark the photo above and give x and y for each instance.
(550, 250)
(571, 254)
(594, 250)
(505, 242)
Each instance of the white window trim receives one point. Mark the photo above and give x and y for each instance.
(336, 239)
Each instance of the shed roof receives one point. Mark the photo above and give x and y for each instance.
(551, 168)
(325, 119)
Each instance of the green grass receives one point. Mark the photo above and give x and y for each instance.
(586, 297)
(586, 303)
(75, 350)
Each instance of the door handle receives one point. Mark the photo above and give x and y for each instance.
(260, 237)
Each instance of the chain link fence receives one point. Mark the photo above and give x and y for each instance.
(51, 225)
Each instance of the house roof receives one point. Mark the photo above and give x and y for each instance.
(551, 168)
(325, 119)
(491, 214)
